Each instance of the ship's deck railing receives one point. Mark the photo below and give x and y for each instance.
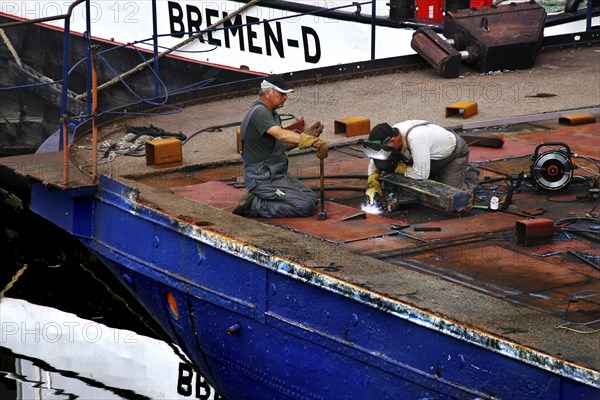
(92, 55)
(65, 70)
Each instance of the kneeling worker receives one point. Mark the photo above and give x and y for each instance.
(272, 191)
(419, 150)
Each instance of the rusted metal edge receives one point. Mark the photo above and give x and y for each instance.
(394, 307)
(402, 310)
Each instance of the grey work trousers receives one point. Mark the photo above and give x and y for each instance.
(454, 170)
(284, 196)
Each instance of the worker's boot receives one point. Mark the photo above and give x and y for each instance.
(471, 178)
(245, 205)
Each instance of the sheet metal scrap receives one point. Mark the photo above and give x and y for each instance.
(360, 215)
(433, 194)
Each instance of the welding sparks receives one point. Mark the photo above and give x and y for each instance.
(371, 208)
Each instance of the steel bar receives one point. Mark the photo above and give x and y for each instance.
(428, 247)
(323, 212)
(94, 50)
(432, 193)
(585, 260)
(65, 150)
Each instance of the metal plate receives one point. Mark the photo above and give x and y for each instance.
(335, 230)
(226, 197)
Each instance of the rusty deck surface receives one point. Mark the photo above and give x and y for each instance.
(469, 270)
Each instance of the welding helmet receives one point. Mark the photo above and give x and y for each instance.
(376, 147)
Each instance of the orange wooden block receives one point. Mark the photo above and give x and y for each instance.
(239, 139)
(353, 126)
(465, 108)
(577, 119)
(164, 152)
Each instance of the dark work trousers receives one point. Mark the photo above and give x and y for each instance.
(278, 194)
(454, 170)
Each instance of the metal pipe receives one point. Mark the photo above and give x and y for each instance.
(88, 29)
(65, 150)
(155, 43)
(94, 50)
(64, 143)
(373, 24)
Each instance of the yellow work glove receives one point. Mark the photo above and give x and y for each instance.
(314, 130)
(374, 188)
(401, 168)
(307, 141)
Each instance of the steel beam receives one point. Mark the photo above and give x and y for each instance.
(433, 194)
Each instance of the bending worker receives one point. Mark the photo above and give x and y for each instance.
(419, 150)
(272, 191)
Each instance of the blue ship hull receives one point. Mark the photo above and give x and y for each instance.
(260, 327)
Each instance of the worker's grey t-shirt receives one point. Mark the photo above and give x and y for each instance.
(258, 144)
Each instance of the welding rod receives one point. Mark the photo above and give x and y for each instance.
(322, 213)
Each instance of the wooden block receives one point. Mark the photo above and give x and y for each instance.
(164, 152)
(577, 119)
(239, 139)
(353, 126)
(465, 108)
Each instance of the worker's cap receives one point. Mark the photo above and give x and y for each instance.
(275, 82)
(382, 133)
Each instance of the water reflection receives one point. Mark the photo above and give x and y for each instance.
(49, 354)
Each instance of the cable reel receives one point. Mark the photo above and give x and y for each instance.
(552, 169)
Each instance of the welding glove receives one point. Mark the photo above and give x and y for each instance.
(374, 188)
(307, 141)
(314, 130)
(401, 168)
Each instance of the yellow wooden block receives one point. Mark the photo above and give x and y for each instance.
(353, 126)
(465, 108)
(238, 133)
(577, 119)
(164, 152)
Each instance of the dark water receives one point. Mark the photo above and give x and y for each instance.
(69, 329)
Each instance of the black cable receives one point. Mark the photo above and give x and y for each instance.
(214, 128)
(219, 128)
